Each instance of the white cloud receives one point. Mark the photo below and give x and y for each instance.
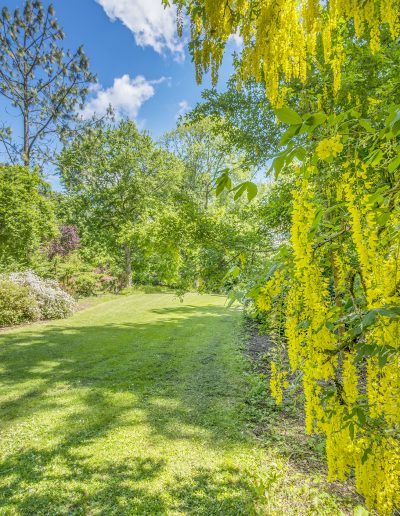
(126, 96)
(183, 108)
(237, 38)
(151, 23)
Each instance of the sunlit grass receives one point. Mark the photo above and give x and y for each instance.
(137, 405)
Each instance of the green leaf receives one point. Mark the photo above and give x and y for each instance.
(224, 181)
(251, 190)
(383, 357)
(315, 119)
(300, 153)
(235, 296)
(235, 272)
(396, 128)
(366, 125)
(361, 416)
(278, 164)
(272, 270)
(292, 131)
(239, 191)
(377, 158)
(288, 116)
(394, 163)
(393, 117)
(315, 224)
(253, 292)
(384, 217)
(365, 455)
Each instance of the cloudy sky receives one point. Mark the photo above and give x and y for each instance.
(142, 66)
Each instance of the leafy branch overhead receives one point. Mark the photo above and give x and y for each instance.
(224, 182)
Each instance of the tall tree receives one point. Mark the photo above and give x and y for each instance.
(44, 83)
(122, 183)
(219, 232)
(247, 119)
(206, 150)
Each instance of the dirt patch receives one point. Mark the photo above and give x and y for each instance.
(257, 345)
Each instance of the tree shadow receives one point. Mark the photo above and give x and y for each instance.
(179, 386)
(225, 491)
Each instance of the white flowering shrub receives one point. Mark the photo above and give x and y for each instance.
(52, 301)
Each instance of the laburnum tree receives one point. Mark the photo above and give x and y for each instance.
(43, 83)
(282, 38)
(333, 290)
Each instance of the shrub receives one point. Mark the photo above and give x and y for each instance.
(53, 302)
(17, 304)
(86, 283)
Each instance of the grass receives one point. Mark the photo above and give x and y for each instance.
(137, 405)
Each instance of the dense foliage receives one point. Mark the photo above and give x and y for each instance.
(281, 38)
(121, 185)
(27, 219)
(331, 297)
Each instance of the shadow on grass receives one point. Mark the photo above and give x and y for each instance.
(171, 357)
(168, 374)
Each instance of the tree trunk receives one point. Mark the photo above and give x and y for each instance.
(26, 159)
(26, 137)
(128, 265)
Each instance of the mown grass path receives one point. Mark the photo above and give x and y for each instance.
(135, 406)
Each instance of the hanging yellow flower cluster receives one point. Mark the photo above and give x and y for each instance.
(358, 437)
(280, 36)
(277, 383)
(269, 291)
(329, 147)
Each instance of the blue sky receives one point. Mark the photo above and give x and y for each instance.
(141, 64)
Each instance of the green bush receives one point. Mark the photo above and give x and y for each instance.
(17, 304)
(86, 284)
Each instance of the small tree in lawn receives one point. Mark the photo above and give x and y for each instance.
(44, 83)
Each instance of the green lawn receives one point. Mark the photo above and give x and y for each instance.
(136, 405)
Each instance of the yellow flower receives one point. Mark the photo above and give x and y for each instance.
(329, 147)
(277, 383)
